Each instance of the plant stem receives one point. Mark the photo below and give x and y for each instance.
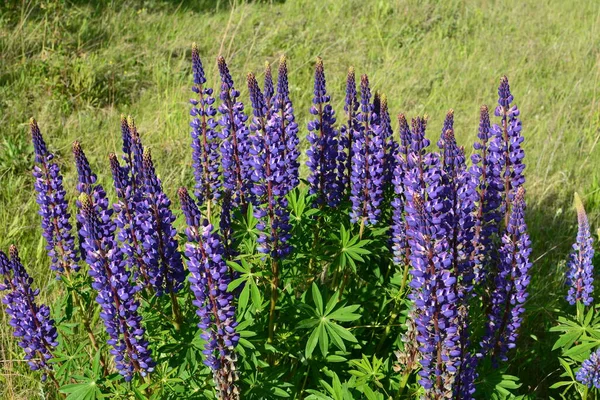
(274, 295)
(177, 317)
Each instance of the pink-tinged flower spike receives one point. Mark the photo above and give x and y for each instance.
(512, 138)
(287, 127)
(580, 273)
(234, 133)
(323, 138)
(54, 208)
(209, 278)
(115, 292)
(168, 274)
(205, 145)
(511, 281)
(31, 322)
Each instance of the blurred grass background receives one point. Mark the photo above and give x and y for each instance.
(77, 65)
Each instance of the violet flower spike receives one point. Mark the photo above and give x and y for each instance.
(589, 373)
(400, 246)
(115, 293)
(205, 145)
(169, 272)
(31, 322)
(507, 301)
(234, 134)
(580, 271)
(137, 152)
(323, 138)
(287, 127)
(126, 137)
(54, 208)
(269, 89)
(209, 278)
(349, 128)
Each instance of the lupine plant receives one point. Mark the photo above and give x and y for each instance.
(384, 268)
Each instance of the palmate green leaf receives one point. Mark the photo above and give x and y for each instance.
(323, 339)
(580, 350)
(312, 341)
(567, 340)
(316, 294)
(82, 391)
(345, 314)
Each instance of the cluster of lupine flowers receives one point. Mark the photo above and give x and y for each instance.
(458, 229)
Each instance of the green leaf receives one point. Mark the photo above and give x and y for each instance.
(312, 341)
(318, 300)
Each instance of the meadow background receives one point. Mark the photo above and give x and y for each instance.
(77, 65)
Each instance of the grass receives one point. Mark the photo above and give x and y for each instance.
(77, 65)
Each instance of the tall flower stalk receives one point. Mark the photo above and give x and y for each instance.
(115, 291)
(54, 208)
(234, 134)
(209, 278)
(580, 271)
(350, 125)
(31, 322)
(323, 140)
(205, 145)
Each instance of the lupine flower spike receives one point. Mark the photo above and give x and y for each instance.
(589, 373)
(209, 278)
(285, 124)
(54, 208)
(31, 322)
(115, 292)
(349, 128)
(205, 145)
(234, 133)
(169, 273)
(507, 301)
(269, 90)
(580, 271)
(323, 152)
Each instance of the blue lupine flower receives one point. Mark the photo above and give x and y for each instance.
(31, 322)
(116, 294)
(580, 275)
(589, 373)
(167, 274)
(269, 89)
(137, 153)
(324, 151)
(510, 283)
(126, 137)
(287, 127)
(209, 278)
(269, 177)
(54, 208)
(368, 150)
(510, 132)
(350, 126)
(205, 147)
(234, 133)
(133, 222)
(400, 246)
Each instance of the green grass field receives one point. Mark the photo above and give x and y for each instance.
(77, 65)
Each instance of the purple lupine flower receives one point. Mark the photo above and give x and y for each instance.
(234, 133)
(462, 197)
(54, 208)
(486, 171)
(133, 222)
(126, 137)
(269, 177)
(324, 151)
(580, 275)
(350, 126)
(589, 373)
(400, 246)
(137, 153)
(205, 147)
(510, 133)
(390, 146)
(167, 274)
(116, 294)
(288, 128)
(367, 164)
(269, 89)
(209, 278)
(511, 283)
(31, 322)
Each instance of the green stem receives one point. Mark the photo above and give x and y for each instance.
(274, 295)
